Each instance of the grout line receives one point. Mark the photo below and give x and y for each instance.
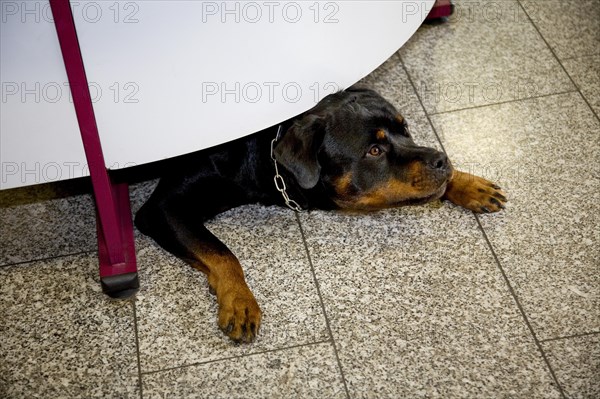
(420, 101)
(558, 60)
(312, 268)
(521, 310)
(235, 357)
(573, 57)
(428, 114)
(585, 100)
(570, 336)
(137, 348)
(505, 102)
(24, 262)
(506, 280)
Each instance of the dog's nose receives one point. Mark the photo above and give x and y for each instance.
(438, 160)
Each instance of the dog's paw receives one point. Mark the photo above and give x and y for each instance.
(487, 198)
(239, 315)
(475, 193)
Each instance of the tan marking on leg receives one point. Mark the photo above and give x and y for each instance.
(474, 193)
(239, 314)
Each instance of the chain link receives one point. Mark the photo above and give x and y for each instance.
(278, 179)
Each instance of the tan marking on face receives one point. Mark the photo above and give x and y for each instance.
(343, 183)
(394, 191)
(400, 118)
(380, 134)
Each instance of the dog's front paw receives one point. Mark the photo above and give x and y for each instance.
(475, 193)
(239, 315)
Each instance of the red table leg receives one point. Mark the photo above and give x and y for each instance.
(441, 9)
(116, 252)
(119, 278)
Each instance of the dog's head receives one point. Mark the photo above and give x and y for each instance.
(357, 147)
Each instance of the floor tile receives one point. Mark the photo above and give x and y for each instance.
(415, 300)
(46, 220)
(544, 153)
(569, 26)
(488, 52)
(585, 71)
(139, 194)
(391, 81)
(60, 336)
(177, 315)
(304, 372)
(576, 362)
(418, 307)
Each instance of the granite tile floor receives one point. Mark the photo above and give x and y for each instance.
(429, 301)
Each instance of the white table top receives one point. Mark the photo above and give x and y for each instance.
(169, 80)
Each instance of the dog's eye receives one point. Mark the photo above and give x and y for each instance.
(375, 151)
(405, 130)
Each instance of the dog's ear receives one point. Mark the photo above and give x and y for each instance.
(297, 151)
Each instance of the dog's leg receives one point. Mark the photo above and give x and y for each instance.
(239, 314)
(474, 193)
(186, 237)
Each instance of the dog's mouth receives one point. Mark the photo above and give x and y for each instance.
(381, 199)
(436, 194)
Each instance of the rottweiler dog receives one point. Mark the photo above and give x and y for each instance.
(352, 151)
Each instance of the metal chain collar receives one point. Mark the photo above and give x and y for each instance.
(279, 183)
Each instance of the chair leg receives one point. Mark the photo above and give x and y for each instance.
(118, 269)
(119, 277)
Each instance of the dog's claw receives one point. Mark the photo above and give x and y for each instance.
(228, 328)
(501, 197)
(239, 316)
(475, 193)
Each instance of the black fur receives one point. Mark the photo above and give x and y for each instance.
(315, 149)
